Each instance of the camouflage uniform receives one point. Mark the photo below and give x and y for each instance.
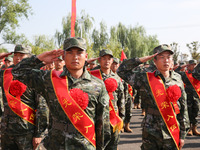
(128, 103)
(63, 134)
(119, 106)
(118, 101)
(142, 89)
(155, 133)
(17, 133)
(192, 98)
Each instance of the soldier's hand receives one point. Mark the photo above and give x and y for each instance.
(36, 142)
(181, 144)
(92, 59)
(3, 55)
(50, 56)
(146, 58)
(182, 66)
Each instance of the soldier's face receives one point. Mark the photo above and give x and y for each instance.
(191, 67)
(75, 59)
(59, 64)
(106, 61)
(114, 67)
(18, 57)
(164, 61)
(8, 63)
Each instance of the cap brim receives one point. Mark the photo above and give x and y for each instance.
(74, 47)
(166, 50)
(106, 54)
(21, 52)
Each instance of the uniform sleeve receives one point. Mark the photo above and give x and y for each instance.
(42, 116)
(183, 117)
(196, 72)
(28, 72)
(121, 101)
(102, 125)
(127, 73)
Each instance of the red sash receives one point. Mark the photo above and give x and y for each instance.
(74, 112)
(15, 104)
(195, 83)
(164, 106)
(115, 121)
(130, 90)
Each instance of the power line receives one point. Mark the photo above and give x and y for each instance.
(173, 27)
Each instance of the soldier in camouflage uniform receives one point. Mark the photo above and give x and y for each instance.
(18, 133)
(59, 64)
(146, 68)
(63, 134)
(156, 135)
(127, 97)
(105, 61)
(192, 97)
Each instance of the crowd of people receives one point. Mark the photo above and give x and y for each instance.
(65, 101)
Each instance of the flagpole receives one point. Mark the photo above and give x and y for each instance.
(73, 18)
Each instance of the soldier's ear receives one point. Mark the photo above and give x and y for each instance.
(86, 56)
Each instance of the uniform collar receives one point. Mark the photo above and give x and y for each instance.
(85, 74)
(111, 73)
(171, 72)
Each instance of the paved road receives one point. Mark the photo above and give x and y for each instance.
(132, 141)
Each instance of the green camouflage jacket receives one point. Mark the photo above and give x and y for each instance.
(154, 123)
(63, 134)
(14, 125)
(118, 101)
(191, 93)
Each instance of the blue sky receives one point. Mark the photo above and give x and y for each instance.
(171, 20)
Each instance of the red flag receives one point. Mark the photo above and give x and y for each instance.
(73, 18)
(123, 56)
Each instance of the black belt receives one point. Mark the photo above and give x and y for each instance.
(63, 127)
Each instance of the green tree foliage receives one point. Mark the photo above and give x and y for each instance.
(176, 51)
(3, 50)
(41, 44)
(184, 57)
(134, 40)
(11, 11)
(10, 37)
(193, 48)
(100, 38)
(83, 28)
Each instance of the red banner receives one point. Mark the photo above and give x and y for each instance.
(74, 112)
(123, 56)
(15, 104)
(164, 106)
(73, 18)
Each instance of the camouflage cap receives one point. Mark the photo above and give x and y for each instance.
(116, 60)
(8, 59)
(104, 52)
(22, 49)
(162, 48)
(74, 42)
(193, 61)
